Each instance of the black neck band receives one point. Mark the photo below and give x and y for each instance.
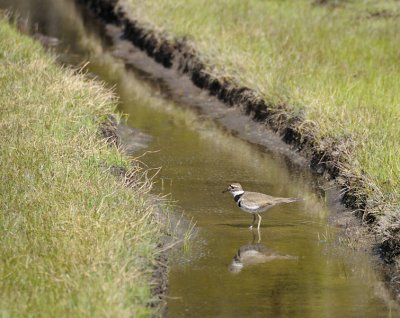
(237, 197)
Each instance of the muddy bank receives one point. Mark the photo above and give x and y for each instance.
(130, 140)
(112, 131)
(327, 158)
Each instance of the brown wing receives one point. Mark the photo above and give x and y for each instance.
(265, 199)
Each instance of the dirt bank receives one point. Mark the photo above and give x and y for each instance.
(328, 158)
(130, 140)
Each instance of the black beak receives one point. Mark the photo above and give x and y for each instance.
(226, 190)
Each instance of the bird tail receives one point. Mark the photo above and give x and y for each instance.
(290, 200)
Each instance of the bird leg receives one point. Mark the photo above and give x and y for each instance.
(259, 221)
(259, 236)
(254, 221)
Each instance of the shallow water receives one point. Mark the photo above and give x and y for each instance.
(297, 269)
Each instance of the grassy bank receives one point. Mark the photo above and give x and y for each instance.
(74, 241)
(334, 62)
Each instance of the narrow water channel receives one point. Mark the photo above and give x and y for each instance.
(296, 267)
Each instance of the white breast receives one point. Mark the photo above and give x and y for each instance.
(252, 207)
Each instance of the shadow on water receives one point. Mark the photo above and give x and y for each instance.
(296, 267)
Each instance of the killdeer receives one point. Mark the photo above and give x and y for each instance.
(254, 202)
(253, 254)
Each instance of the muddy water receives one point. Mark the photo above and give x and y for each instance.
(295, 266)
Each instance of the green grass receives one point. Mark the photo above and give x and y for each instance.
(335, 63)
(74, 241)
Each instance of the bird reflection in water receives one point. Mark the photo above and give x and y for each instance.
(255, 253)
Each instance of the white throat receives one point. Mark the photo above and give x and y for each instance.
(237, 192)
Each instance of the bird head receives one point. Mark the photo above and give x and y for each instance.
(235, 189)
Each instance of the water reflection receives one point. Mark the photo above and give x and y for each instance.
(255, 253)
(197, 159)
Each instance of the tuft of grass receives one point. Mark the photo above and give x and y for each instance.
(74, 241)
(333, 61)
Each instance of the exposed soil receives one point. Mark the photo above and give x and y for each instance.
(116, 135)
(110, 130)
(129, 140)
(176, 63)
